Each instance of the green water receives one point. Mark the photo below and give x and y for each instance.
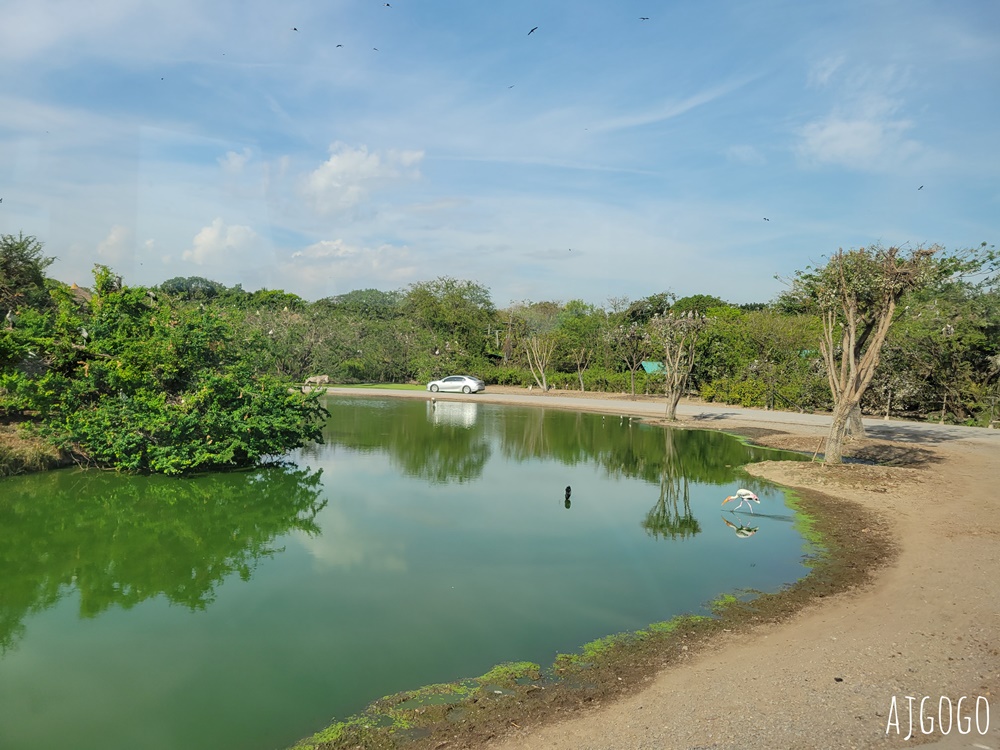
(420, 544)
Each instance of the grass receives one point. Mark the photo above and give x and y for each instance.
(21, 453)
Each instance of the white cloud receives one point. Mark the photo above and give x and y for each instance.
(865, 130)
(863, 143)
(346, 179)
(218, 242)
(333, 266)
(233, 163)
(116, 247)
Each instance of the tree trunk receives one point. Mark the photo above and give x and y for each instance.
(855, 427)
(579, 374)
(838, 431)
(632, 376)
(673, 398)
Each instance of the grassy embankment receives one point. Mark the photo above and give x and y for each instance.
(21, 453)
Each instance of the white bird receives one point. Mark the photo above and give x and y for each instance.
(744, 496)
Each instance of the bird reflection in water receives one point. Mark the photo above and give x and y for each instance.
(741, 530)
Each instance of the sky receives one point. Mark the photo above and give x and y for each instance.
(619, 150)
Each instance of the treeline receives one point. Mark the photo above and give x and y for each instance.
(941, 359)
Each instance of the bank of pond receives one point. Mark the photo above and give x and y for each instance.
(421, 543)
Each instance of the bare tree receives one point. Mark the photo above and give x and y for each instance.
(630, 343)
(857, 293)
(540, 337)
(676, 336)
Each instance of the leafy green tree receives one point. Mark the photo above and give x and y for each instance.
(22, 274)
(580, 328)
(134, 382)
(698, 303)
(456, 320)
(641, 311)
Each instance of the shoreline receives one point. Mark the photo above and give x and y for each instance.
(876, 655)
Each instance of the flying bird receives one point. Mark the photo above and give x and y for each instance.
(643, 18)
(294, 28)
(920, 188)
(744, 496)
(340, 45)
(532, 31)
(766, 219)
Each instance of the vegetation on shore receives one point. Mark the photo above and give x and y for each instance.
(192, 375)
(120, 377)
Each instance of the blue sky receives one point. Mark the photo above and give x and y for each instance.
(600, 156)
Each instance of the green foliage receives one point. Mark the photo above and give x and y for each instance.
(698, 303)
(136, 382)
(22, 272)
(226, 420)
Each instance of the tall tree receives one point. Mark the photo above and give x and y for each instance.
(580, 330)
(857, 293)
(540, 337)
(676, 336)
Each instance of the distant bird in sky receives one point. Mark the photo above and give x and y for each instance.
(375, 48)
(920, 188)
(533, 31)
(766, 219)
(643, 18)
(744, 496)
(340, 45)
(294, 28)
(511, 86)
(386, 5)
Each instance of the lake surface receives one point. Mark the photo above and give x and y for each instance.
(422, 543)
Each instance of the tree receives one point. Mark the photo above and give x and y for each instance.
(857, 293)
(642, 310)
(22, 272)
(139, 383)
(540, 337)
(630, 344)
(677, 337)
(580, 331)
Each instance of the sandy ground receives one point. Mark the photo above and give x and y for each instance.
(927, 625)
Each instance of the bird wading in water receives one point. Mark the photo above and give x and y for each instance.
(744, 496)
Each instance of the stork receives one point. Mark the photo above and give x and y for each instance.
(744, 496)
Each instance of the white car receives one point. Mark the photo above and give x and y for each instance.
(457, 384)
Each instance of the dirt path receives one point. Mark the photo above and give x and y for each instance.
(929, 624)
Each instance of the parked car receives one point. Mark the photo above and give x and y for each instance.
(457, 384)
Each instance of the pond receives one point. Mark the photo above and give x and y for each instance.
(422, 543)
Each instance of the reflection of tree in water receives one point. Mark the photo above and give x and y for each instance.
(120, 540)
(665, 519)
(439, 453)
